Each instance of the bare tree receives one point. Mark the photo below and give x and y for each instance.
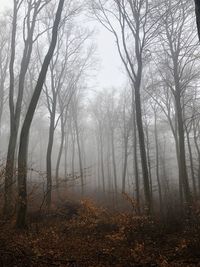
(29, 22)
(124, 18)
(24, 136)
(179, 64)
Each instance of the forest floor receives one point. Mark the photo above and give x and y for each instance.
(84, 235)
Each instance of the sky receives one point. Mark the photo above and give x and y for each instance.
(110, 72)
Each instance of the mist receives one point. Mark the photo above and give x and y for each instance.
(100, 132)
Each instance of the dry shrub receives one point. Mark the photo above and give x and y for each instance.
(92, 218)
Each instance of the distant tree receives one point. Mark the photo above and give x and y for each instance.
(131, 25)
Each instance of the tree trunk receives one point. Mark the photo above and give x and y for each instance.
(66, 150)
(157, 162)
(113, 161)
(191, 164)
(135, 161)
(48, 158)
(149, 159)
(11, 146)
(102, 161)
(60, 151)
(125, 164)
(183, 177)
(147, 192)
(197, 11)
(79, 156)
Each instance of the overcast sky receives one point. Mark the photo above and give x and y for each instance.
(111, 72)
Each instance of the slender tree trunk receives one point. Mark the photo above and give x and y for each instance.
(11, 146)
(60, 152)
(197, 11)
(147, 191)
(135, 161)
(98, 163)
(191, 164)
(66, 150)
(102, 161)
(125, 164)
(79, 156)
(48, 158)
(149, 159)
(198, 154)
(183, 176)
(73, 153)
(157, 162)
(113, 161)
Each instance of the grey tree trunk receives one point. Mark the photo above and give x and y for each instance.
(135, 161)
(102, 159)
(147, 191)
(191, 164)
(60, 150)
(197, 11)
(183, 176)
(11, 146)
(125, 164)
(48, 158)
(114, 161)
(79, 155)
(157, 162)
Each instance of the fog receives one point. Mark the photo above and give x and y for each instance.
(99, 133)
(83, 126)
(99, 100)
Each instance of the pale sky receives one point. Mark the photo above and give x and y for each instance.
(111, 71)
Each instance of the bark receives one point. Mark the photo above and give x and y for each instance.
(197, 11)
(23, 148)
(73, 153)
(102, 159)
(149, 159)
(147, 191)
(191, 163)
(125, 164)
(60, 150)
(198, 154)
(66, 150)
(114, 161)
(135, 161)
(183, 176)
(79, 156)
(11, 146)
(157, 161)
(48, 157)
